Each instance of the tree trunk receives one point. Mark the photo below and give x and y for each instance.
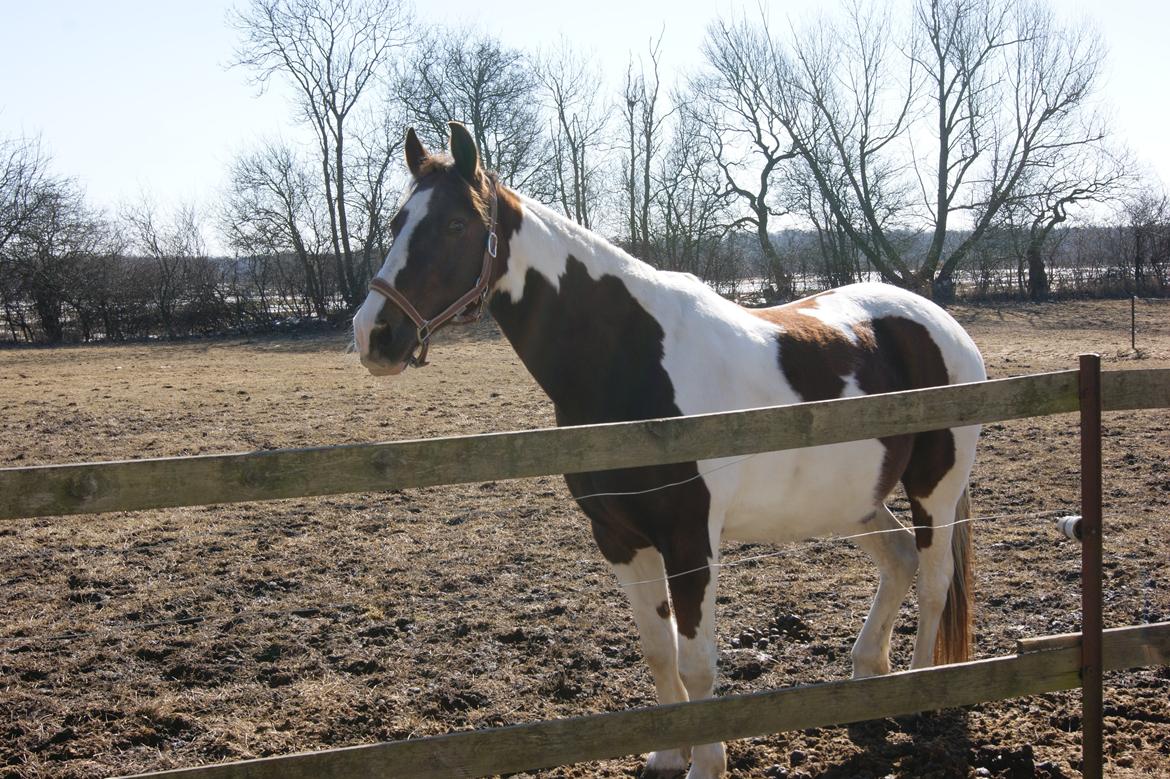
(783, 279)
(646, 160)
(633, 176)
(920, 282)
(1038, 288)
(333, 232)
(1137, 259)
(349, 284)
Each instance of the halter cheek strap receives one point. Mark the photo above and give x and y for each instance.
(467, 309)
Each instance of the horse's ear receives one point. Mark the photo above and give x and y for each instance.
(464, 151)
(416, 154)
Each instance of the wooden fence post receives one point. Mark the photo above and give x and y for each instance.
(1092, 714)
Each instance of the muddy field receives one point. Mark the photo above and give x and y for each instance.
(133, 642)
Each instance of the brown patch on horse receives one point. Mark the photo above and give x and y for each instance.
(931, 459)
(663, 610)
(923, 524)
(814, 356)
(906, 357)
(887, 354)
(578, 340)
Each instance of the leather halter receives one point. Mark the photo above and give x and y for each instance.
(467, 309)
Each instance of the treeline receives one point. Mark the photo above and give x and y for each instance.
(959, 152)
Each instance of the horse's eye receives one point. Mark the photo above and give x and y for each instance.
(456, 226)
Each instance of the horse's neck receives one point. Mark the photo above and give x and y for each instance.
(546, 239)
(574, 308)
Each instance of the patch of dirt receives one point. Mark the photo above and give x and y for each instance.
(151, 640)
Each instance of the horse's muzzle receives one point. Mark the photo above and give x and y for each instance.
(378, 367)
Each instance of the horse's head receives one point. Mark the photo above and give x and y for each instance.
(439, 267)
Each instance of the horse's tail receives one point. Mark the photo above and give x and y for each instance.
(954, 629)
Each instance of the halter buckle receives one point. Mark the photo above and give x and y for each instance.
(492, 242)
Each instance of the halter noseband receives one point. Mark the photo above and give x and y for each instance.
(465, 310)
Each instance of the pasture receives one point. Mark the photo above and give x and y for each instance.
(167, 638)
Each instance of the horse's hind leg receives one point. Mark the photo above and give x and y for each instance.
(936, 565)
(892, 550)
(934, 498)
(644, 580)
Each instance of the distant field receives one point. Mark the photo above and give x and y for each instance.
(133, 642)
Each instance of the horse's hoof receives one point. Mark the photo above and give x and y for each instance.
(674, 773)
(866, 670)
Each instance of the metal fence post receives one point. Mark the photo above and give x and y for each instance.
(1092, 721)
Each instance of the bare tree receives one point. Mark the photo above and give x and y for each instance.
(111, 302)
(579, 123)
(463, 75)
(46, 256)
(273, 207)
(748, 142)
(59, 259)
(691, 206)
(644, 119)
(633, 95)
(179, 272)
(330, 51)
(1073, 177)
(836, 258)
(846, 127)
(24, 185)
(982, 92)
(1146, 213)
(376, 180)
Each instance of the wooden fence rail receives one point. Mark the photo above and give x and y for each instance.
(294, 473)
(1043, 665)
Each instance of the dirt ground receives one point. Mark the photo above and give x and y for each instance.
(142, 641)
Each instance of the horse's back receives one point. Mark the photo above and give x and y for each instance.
(916, 324)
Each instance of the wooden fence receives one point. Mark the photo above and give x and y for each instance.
(1054, 664)
(166, 482)
(1042, 665)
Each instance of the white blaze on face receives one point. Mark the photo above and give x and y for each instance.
(363, 321)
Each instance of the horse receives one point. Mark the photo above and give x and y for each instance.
(610, 338)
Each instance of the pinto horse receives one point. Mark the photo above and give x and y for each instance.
(610, 339)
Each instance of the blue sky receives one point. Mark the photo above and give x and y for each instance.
(132, 96)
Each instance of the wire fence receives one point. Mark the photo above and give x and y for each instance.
(7, 643)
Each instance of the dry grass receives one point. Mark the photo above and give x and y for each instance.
(143, 641)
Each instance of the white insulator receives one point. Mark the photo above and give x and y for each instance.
(1070, 527)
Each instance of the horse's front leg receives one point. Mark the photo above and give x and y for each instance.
(693, 582)
(643, 578)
